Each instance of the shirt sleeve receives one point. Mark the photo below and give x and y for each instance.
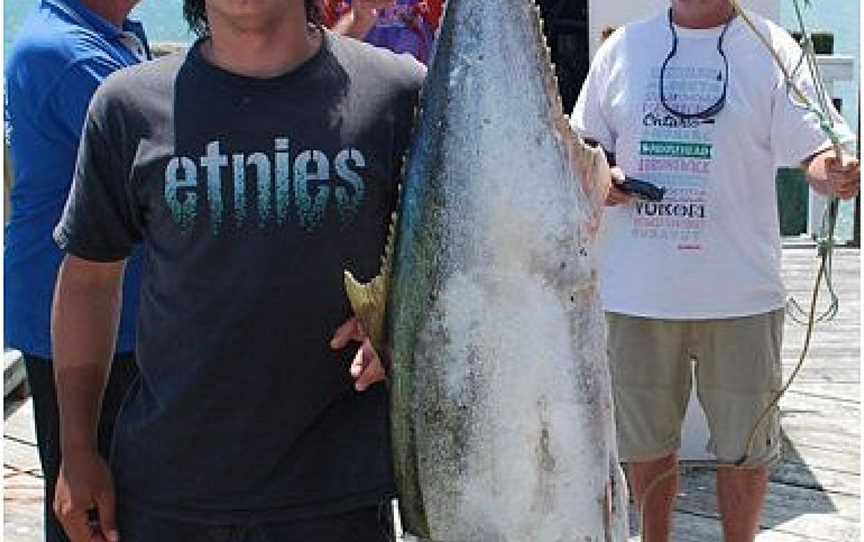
(97, 222)
(589, 119)
(796, 132)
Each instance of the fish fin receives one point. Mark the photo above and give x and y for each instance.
(592, 168)
(369, 301)
(589, 163)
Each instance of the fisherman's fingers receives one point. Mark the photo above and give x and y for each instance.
(846, 191)
(367, 368)
(350, 331)
(616, 197)
(845, 188)
(106, 507)
(844, 180)
(76, 526)
(73, 512)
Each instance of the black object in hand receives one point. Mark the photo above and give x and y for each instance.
(641, 189)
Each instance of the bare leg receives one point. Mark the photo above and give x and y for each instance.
(655, 502)
(740, 494)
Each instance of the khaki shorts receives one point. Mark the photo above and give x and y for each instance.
(738, 372)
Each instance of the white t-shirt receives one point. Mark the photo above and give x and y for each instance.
(712, 248)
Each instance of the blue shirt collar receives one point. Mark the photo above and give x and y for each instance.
(96, 22)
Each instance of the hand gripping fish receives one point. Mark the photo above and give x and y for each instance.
(487, 305)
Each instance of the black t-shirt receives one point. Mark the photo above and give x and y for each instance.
(251, 196)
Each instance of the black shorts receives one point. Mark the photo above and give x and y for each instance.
(371, 524)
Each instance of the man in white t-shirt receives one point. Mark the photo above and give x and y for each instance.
(692, 101)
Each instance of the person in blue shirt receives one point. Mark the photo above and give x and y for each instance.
(62, 53)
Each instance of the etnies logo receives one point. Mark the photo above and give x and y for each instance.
(265, 188)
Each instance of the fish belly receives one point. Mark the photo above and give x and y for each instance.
(500, 393)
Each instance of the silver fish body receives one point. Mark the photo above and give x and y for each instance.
(501, 409)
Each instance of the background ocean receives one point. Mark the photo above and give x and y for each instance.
(163, 19)
(164, 22)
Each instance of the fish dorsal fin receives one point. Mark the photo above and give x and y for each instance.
(589, 164)
(369, 301)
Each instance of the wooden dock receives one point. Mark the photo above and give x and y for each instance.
(814, 495)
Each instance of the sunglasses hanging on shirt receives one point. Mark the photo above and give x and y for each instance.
(707, 115)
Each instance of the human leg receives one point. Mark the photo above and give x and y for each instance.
(655, 486)
(40, 378)
(738, 376)
(650, 369)
(740, 495)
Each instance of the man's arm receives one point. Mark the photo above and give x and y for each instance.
(87, 303)
(828, 177)
(360, 20)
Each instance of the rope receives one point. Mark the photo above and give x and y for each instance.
(826, 243)
(810, 326)
(822, 111)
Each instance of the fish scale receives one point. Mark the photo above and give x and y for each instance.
(488, 306)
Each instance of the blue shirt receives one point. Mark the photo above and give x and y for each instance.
(62, 53)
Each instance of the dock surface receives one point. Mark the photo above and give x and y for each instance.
(814, 494)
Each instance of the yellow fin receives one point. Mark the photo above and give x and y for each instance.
(369, 301)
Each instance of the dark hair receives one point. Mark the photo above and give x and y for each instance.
(196, 15)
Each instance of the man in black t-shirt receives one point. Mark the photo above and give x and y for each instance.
(257, 167)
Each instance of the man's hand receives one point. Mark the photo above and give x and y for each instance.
(844, 180)
(363, 16)
(84, 487)
(616, 196)
(366, 368)
(831, 178)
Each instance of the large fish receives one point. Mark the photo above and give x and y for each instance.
(500, 395)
